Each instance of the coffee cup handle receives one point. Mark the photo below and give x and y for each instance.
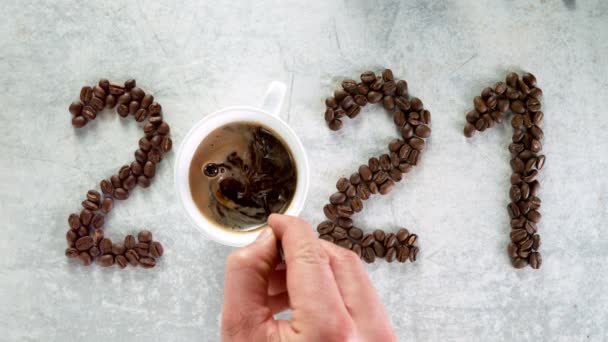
(273, 100)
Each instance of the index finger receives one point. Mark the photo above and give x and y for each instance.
(310, 280)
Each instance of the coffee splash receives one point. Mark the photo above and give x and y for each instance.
(240, 174)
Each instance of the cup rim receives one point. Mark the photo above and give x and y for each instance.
(213, 231)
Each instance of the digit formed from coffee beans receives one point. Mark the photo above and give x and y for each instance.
(85, 238)
(522, 97)
(381, 173)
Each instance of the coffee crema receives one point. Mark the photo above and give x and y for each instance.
(240, 174)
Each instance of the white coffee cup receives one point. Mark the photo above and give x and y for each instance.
(267, 115)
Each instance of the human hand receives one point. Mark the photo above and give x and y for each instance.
(326, 287)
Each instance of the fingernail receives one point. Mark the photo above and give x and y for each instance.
(264, 234)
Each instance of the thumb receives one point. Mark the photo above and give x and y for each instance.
(246, 285)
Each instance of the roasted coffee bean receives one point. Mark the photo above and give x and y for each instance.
(121, 261)
(89, 113)
(71, 237)
(71, 252)
(98, 220)
(163, 129)
(368, 240)
(388, 102)
(129, 242)
(423, 131)
(86, 93)
(517, 165)
(407, 131)
(327, 237)
(350, 86)
(84, 243)
(534, 216)
(143, 181)
(365, 173)
(122, 110)
(147, 262)
(526, 244)
(368, 77)
(378, 84)
(118, 249)
(337, 198)
(85, 258)
(355, 233)
(413, 254)
(360, 100)
(369, 255)
(535, 260)
(106, 260)
(331, 103)
(74, 221)
(515, 193)
(140, 115)
(142, 249)
(363, 192)
(413, 157)
(116, 182)
(380, 177)
(356, 204)
(512, 250)
(379, 235)
(390, 240)
(395, 175)
(133, 257)
(105, 246)
(325, 227)
(353, 111)
(79, 121)
(130, 183)
(385, 162)
(144, 236)
(403, 253)
(155, 108)
(116, 89)
(83, 231)
(480, 105)
(149, 169)
(330, 211)
(513, 210)
(154, 156)
(374, 97)
(535, 242)
(351, 191)
(386, 187)
(402, 235)
(362, 89)
(97, 104)
(130, 84)
(124, 99)
(518, 235)
(500, 88)
(342, 184)
(85, 217)
(355, 179)
(379, 249)
(389, 88)
(329, 115)
(335, 124)
(146, 101)
(373, 187)
(519, 262)
(137, 93)
(133, 107)
(124, 172)
(401, 88)
(121, 194)
(345, 222)
(76, 108)
(391, 254)
(97, 236)
(90, 205)
(417, 143)
(339, 233)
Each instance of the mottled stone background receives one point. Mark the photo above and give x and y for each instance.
(200, 56)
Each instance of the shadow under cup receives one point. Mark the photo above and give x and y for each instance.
(195, 137)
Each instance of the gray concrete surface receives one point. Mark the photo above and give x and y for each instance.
(200, 56)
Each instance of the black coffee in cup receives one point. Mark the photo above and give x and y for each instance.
(240, 174)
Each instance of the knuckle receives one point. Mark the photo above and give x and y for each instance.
(340, 329)
(238, 259)
(311, 253)
(239, 323)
